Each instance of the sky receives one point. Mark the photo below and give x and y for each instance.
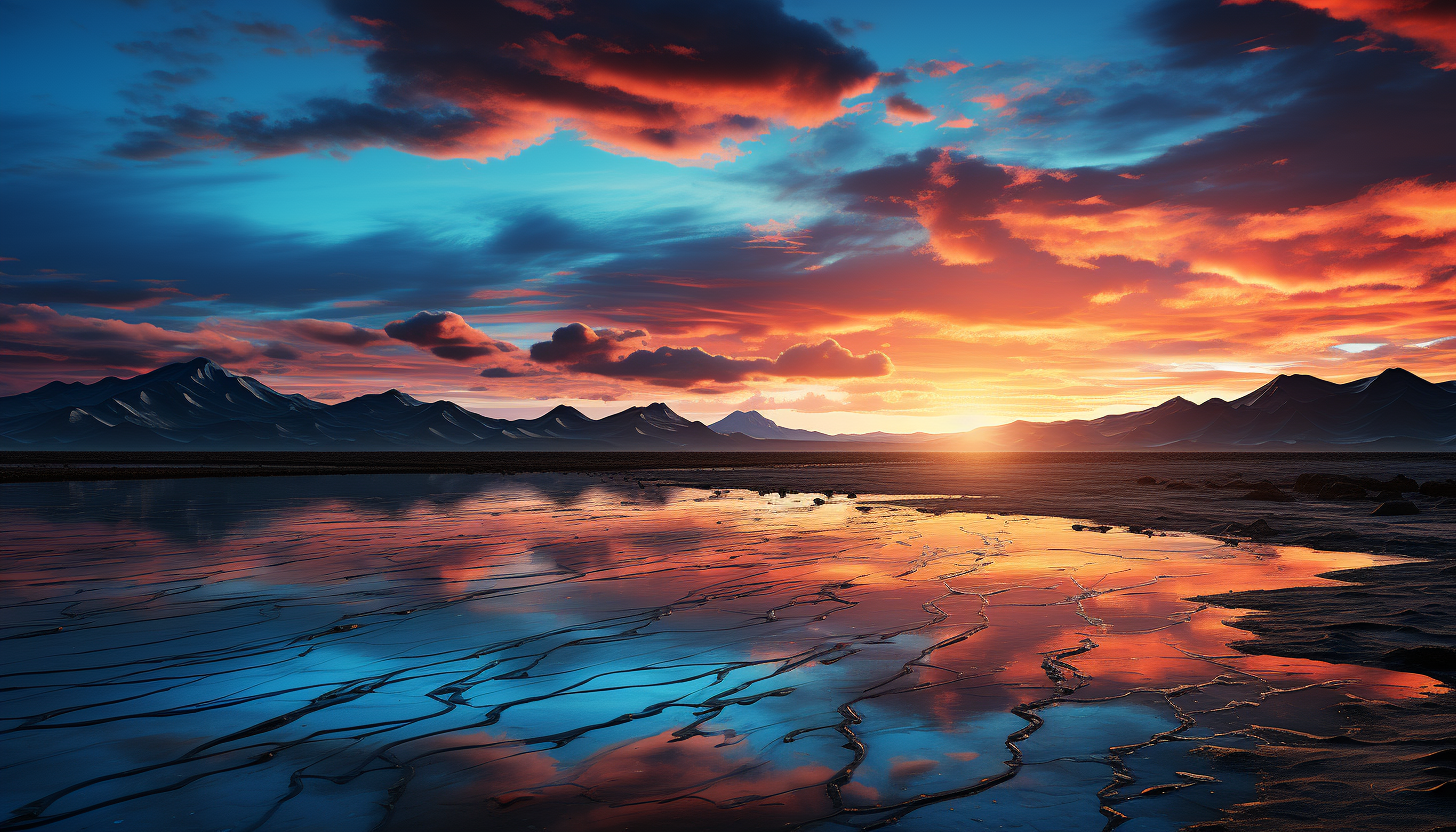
(850, 216)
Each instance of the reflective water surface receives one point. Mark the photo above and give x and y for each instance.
(584, 653)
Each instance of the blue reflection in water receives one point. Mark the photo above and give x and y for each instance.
(559, 652)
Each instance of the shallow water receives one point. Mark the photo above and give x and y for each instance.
(579, 653)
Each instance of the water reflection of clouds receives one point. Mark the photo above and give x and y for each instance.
(600, 658)
(208, 508)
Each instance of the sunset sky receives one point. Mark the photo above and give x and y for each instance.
(848, 215)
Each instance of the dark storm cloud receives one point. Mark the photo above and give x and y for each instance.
(466, 79)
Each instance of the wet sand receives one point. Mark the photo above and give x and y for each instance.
(944, 619)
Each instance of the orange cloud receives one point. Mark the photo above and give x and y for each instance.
(1430, 23)
(334, 332)
(38, 335)
(1396, 232)
(899, 109)
(448, 336)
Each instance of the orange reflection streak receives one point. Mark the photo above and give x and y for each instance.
(575, 652)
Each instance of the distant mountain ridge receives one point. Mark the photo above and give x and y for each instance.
(755, 424)
(1395, 410)
(203, 406)
(200, 405)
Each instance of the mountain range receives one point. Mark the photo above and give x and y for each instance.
(755, 424)
(1395, 410)
(201, 405)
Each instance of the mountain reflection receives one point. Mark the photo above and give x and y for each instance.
(571, 652)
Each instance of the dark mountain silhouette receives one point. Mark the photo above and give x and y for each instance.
(200, 405)
(755, 424)
(1396, 410)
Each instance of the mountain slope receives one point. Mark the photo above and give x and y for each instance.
(200, 405)
(755, 424)
(1395, 410)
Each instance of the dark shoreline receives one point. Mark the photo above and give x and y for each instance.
(81, 466)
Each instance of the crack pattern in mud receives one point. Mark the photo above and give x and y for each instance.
(575, 653)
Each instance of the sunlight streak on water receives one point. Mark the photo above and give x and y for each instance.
(561, 652)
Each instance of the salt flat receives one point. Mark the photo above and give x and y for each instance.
(570, 652)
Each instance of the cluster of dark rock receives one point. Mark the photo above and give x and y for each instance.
(1258, 529)
(818, 501)
(1389, 493)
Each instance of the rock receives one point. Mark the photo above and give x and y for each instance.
(1439, 489)
(1387, 496)
(1312, 483)
(1342, 490)
(1337, 536)
(853, 496)
(1078, 527)
(1315, 483)
(1401, 483)
(1269, 493)
(1427, 657)
(1147, 480)
(1257, 529)
(1395, 508)
(1241, 484)
(863, 508)
(828, 495)
(1260, 528)
(783, 493)
(1179, 485)
(818, 501)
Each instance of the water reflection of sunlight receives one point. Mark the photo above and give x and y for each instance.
(575, 652)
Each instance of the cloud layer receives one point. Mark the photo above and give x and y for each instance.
(580, 349)
(462, 79)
